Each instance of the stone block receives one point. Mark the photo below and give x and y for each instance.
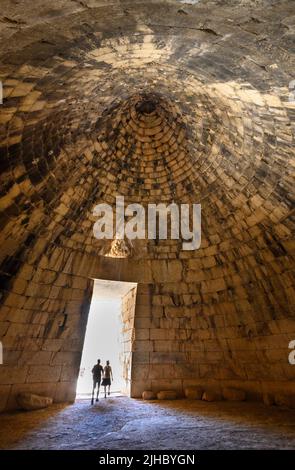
(140, 373)
(26, 272)
(65, 392)
(19, 286)
(149, 395)
(79, 282)
(167, 357)
(52, 344)
(143, 346)
(42, 389)
(39, 374)
(215, 285)
(211, 395)
(162, 334)
(141, 357)
(35, 358)
(287, 400)
(195, 264)
(15, 300)
(194, 393)
(4, 394)
(4, 325)
(167, 346)
(137, 387)
(65, 358)
(29, 401)
(146, 323)
(167, 395)
(268, 399)
(142, 311)
(69, 373)
(167, 271)
(12, 374)
(142, 334)
(233, 394)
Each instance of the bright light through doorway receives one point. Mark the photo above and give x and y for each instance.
(103, 338)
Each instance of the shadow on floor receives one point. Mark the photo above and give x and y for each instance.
(250, 413)
(15, 425)
(118, 422)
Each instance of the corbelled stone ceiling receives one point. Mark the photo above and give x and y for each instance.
(158, 101)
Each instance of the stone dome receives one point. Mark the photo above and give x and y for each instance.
(159, 101)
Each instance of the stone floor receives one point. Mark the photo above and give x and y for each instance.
(123, 423)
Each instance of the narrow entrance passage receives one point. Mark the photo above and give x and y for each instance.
(107, 337)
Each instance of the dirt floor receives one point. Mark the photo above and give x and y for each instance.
(124, 423)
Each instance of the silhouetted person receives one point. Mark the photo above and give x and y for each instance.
(96, 374)
(107, 376)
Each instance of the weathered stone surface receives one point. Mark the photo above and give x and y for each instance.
(29, 401)
(43, 373)
(149, 395)
(4, 394)
(233, 394)
(194, 393)
(211, 395)
(268, 399)
(167, 395)
(282, 399)
(65, 392)
(10, 374)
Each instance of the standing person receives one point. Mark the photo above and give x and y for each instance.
(96, 375)
(107, 376)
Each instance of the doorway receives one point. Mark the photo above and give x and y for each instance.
(108, 336)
